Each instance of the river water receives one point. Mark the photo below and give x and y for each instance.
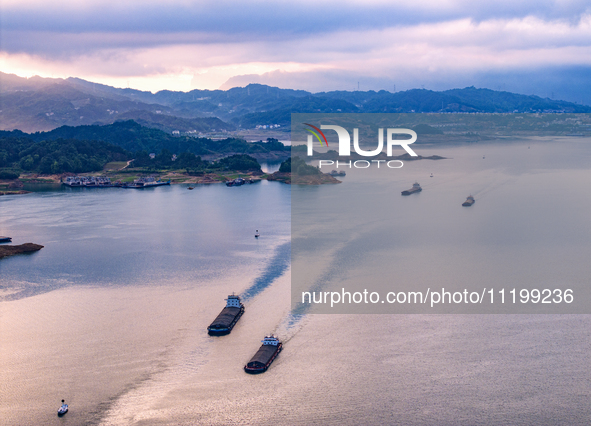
(112, 314)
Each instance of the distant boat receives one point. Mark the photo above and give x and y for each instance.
(483, 157)
(469, 201)
(88, 181)
(236, 182)
(415, 188)
(5, 239)
(191, 187)
(431, 175)
(337, 173)
(145, 182)
(63, 409)
(256, 235)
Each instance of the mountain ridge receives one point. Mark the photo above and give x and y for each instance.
(43, 104)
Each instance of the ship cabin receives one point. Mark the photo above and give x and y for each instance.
(270, 340)
(233, 301)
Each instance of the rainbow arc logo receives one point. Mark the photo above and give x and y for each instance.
(316, 133)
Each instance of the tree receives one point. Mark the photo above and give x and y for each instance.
(240, 162)
(285, 166)
(188, 160)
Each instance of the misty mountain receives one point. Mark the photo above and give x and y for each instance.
(39, 104)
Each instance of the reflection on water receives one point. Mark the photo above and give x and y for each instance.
(165, 235)
(112, 314)
(527, 229)
(270, 166)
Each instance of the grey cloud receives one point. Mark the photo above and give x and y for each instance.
(274, 19)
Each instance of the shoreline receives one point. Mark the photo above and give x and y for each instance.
(179, 178)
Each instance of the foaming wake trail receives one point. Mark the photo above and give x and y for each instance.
(276, 268)
(493, 186)
(343, 257)
(296, 319)
(290, 326)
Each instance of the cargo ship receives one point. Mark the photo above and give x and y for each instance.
(146, 182)
(469, 201)
(415, 188)
(227, 319)
(236, 182)
(266, 354)
(239, 182)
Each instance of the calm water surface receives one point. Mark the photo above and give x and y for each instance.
(111, 315)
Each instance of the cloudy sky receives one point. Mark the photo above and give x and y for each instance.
(532, 46)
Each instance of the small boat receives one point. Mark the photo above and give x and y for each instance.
(63, 409)
(431, 175)
(469, 201)
(191, 187)
(5, 239)
(337, 173)
(256, 234)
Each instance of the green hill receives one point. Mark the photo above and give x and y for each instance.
(134, 137)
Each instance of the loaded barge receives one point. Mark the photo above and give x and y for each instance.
(227, 319)
(266, 354)
(415, 188)
(145, 182)
(239, 182)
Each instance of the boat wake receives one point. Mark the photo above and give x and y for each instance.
(493, 186)
(290, 326)
(276, 268)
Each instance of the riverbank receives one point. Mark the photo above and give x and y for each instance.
(175, 177)
(318, 179)
(12, 187)
(127, 176)
(13, 192)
